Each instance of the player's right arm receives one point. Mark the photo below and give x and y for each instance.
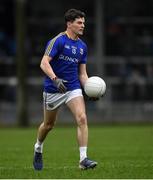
(46, 67)
(52, 50)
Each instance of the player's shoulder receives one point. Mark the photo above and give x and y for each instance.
(58, 38)
(83, 43)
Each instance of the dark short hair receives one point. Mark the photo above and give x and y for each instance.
(72, 14)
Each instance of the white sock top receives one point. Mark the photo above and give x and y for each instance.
(83, 153)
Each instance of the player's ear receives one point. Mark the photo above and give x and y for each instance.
(68, 24)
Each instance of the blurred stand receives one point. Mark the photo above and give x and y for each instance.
(119, 35)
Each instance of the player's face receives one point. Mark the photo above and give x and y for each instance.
(77, 26)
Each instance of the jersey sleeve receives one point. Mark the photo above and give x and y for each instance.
(53, 47)
(84, 55)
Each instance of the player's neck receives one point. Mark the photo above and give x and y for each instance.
(71, 35)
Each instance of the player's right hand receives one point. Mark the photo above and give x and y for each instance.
(59, 83)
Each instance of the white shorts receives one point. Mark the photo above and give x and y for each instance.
(54, 100)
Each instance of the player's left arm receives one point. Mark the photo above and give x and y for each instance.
(83, 76)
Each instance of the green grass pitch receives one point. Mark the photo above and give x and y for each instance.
(121, 152)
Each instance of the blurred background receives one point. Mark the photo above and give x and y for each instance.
(119, 35)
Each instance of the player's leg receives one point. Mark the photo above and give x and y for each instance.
(52, 101)
(45, 127)
(77, 107)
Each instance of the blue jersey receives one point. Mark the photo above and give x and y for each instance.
(66, 56)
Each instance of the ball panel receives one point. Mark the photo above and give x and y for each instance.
(95, 86)
(91, 91)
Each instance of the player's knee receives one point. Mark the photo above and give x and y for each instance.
(82, 119)
(48, 126)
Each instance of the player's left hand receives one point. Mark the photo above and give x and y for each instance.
(93, 98)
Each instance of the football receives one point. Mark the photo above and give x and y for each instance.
(95, 86)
